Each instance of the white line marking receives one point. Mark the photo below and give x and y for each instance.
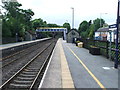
(106, 68)
(41, 83)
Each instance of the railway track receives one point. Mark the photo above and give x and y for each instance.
(27, 76)
(6, 61)
(18, 52)
(9, 70)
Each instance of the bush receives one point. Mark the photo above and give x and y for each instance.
(77, 41)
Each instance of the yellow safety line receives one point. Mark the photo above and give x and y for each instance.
(67, 81)
(99, 83)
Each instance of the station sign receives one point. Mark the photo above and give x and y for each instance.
(113, 26)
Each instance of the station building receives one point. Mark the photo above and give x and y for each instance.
(72, 35)
(103, 34)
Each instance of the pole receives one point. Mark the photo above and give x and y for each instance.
(110, 45)
(116, 51)
(72, 18)
(100, 20)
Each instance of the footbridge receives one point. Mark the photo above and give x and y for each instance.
(48, 29)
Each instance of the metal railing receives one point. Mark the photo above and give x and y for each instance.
(104, 47)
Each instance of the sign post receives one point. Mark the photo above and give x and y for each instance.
(116, 51)
(110, 45)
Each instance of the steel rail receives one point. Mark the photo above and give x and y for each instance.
(9, 80)
(1, 59)
(17, 58)
(40, 70)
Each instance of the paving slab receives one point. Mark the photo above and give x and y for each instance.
(58, 74)
(53, 75)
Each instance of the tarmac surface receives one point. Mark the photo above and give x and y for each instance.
(83, 69)
(90, 71)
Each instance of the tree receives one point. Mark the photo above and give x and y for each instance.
(87, 29)
(67, 25)
(36, 23)
(84, 29)
(91, 31)
(53, 25)
(6, 32)
(90, 22)
(27, 16)
(39, 23)
(83, 26)
(9, 18)
(17, 20)
(97, 23)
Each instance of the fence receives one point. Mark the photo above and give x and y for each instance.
(8, 40)
(103, 45)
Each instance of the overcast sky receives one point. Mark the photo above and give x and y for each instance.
(59, 11)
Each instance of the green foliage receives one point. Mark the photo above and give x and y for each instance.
(83, 26)
(84, 29)
(52, 25)
(37, 23)
(77, 41)
(84, 34)
(87, 29)
(105, 25)
(67, 25)
(97, 23)
(16, 20)
(91, 31)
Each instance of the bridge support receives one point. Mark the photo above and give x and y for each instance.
(65, 35)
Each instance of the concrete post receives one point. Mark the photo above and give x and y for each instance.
(110, 45)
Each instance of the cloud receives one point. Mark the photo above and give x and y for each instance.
(58, 11)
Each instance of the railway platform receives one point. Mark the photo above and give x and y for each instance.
(6, 46)
(15, 48)
(74, 67)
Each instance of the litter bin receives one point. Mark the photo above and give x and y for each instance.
(80, 44)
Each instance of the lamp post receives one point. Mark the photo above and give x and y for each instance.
(66, 21)
(101, 18)
(116, 51)
(72, 17)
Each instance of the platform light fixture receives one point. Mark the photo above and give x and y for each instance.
(101, 18)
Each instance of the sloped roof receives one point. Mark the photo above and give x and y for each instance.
(73, 30)
(103, 29)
